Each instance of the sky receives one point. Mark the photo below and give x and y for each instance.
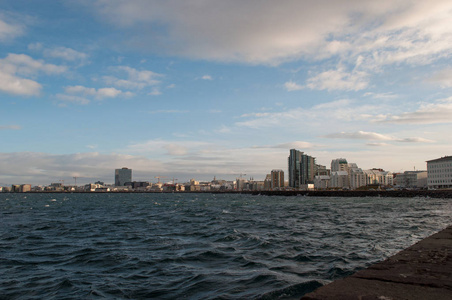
(204, 88)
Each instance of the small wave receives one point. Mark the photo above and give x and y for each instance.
(294, 291)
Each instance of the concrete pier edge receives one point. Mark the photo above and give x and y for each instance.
(422, 271)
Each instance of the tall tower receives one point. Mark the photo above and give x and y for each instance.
(301, 168)
(294, 168)
(122, 176)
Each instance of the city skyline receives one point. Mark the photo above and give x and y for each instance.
(223, 88)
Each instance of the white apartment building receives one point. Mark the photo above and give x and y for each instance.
(412, 179)
(321, 182)
(439, 172)
(378, 176)
(340, 179)
(357, 176)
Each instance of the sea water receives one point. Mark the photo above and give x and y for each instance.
(198, 246)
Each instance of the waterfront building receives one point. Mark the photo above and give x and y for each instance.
(412, 179)
(439, 173)
(340, 180)
(357, 176)
(277, 179)
(268, 182)
(321, 182)
(122, 176)
(322, 171)
(378, 177)
(302, 169)
(241, 184)
(339, 164)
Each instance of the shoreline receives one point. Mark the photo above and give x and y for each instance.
(394, 194)
(422, 271)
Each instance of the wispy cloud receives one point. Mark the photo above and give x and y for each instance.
(443, 78)
(253, 32)
(100, 93)
(10, 127)
(290, 145)
(292, 86)
(207, 77)
(430, 113)
(168, 111)
(339, 80)
(64, 53)
(363, 135)
(135, 79)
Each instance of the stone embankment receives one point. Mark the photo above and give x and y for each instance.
(398, 193)
(422, 271)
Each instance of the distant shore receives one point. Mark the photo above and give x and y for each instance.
(396, 194)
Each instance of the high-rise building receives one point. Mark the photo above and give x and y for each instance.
(122, 176)
(277, 179)
(302, 168)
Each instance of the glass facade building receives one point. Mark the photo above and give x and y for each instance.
(122, 176)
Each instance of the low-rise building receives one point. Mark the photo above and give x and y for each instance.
(412, 179)
(439, 173)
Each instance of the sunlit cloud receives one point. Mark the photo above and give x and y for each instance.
(430, 113)
(363, 135)
(14, 69)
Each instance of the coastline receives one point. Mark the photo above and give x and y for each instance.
(422, 271)
(394, 194)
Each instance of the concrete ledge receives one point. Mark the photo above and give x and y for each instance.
(422, 271)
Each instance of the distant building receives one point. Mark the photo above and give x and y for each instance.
(268, 182)
(439, 172)
(302, 168)
(322, 182)
(339, 164)
(412, 179)
(340, 179)
(122, 176)
(357, 176)
(277, 179)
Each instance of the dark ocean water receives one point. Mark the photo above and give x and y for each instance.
(198, 246)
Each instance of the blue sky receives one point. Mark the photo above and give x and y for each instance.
(196, 89)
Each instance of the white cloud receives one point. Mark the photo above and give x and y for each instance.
(377, 144)
(363, 135)
(44, 168)
(338, 80)
(66, 54)
(10, 127)
(360, 135)
(442, 78)
(97, 93)
(381, 95)
(176, 149)
(12, 84)
(64, 99)
(292, 86)
(168, 111)
(135, 79)
(9, 30)
(390, 31)
(25, 65)
(155, 92)
(207, 77)
(13, 69)
(291, 145)
(430, 113)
